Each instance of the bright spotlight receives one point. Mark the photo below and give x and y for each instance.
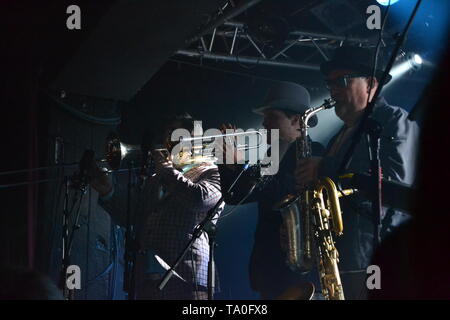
(406, 63)
(386, 2)
(417, 59)
(400, 69)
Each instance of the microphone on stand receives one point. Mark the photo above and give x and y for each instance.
(80, 179)
(254, 179)
(260, 180)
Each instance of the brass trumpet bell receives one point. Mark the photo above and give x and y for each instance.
(116, 151)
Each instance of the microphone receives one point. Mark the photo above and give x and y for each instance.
(244, 168)
(80, 179)
(256, 179)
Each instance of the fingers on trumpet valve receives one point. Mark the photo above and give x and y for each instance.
(228, 139)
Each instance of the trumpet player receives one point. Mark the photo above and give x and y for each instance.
(348, 77)
(269, 274)
(167, 208)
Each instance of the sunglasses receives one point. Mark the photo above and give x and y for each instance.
(342, 81)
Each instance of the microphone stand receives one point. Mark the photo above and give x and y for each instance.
(129, 285)
(78, 182)
(373, 134)
(368, 110)
(210, 228)
(67, 293)
(205, 226)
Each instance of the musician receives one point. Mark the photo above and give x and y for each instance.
(168, 207)
(269, 274)
(348, 77)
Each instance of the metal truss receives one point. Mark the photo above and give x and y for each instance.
(203, 45)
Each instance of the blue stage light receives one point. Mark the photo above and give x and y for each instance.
(386, 2)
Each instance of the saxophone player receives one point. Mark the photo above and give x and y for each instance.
(348, 77)
(270, 276)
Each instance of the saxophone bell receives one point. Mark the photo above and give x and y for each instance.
(327, 220)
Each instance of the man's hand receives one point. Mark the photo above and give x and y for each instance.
(306, 172)
(160, 161)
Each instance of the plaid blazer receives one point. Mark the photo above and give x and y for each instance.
(165, 211)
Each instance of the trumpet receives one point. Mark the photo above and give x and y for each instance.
(117, 151)
(227, 136)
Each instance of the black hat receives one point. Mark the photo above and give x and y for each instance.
(357, 59)
(287, 96)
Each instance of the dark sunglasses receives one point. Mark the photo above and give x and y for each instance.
(342, 81)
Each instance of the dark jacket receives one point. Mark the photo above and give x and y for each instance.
(167, 209)
(269, 273)
(398, 145)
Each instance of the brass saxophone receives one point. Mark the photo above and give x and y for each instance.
(326, 217)
(310, 220)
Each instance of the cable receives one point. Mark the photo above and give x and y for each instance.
(75, 225)
(6, 186)
(236, 205)
(194, 275)
(75, 200)
(38, 169)
(86, 117)
(262, 180)
(106, 271)
(377, 51)
(54, 211)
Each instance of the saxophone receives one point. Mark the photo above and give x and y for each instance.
(327, 219)
(295, 208)
(309, 220)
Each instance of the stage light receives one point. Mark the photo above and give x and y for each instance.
(417, 60)
(410, 62)
(400, 69)
(386, 2)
